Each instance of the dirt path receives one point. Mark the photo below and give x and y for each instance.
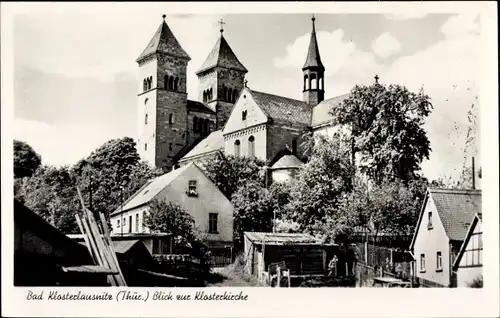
(228, 278)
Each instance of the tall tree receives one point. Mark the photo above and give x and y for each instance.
(112, 173)
(320, 183)
(230, 172)
(386, 124)
(26, 159)
(253, 210)
(50, 193)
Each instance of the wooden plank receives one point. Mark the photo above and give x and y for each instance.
(87, 243)
(110, 243)
(103, 250)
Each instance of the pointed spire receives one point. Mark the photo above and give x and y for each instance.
(222, 55)
(164, 41)
(313, 59)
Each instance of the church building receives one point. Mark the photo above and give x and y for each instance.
(229, 116)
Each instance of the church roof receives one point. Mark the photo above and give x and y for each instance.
(223, 56)
(213, 142)
(199, 107)
(287, 162)
(321, 112)
(283, 108)
(313, 59)
(164, 41)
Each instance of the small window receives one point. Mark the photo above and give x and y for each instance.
(244, 115)
(137, 222)
(118, 223)
(294, 146)
(171, 119)
(192, 191)
(422, 262)
(251, 146)
(146, 119)
(145, 147)
(439, 262)
(429, 221)
(212, 223)
(237, 148)
(124, 221)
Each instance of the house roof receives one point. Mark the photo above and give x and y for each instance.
(478, 218)
(164, 41)
(213, 142)
(223, 56)
(151, 189)
(199, 107)
(321, 112)
(283, 108)
(456, 210)
(287, 162)
(281, 238)
(123, 247)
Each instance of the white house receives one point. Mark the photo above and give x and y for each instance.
(285, 168)
(189, 187)
(445, 217)
(469, 263)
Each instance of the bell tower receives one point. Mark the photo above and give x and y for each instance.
(221, 79)
(313, 72)
(162, 99)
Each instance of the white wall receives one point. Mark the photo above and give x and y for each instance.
(466, 273)
(281, 175)
(254, 116)
(209, 200)
(260, 143)
(429, 242)
(465, 276)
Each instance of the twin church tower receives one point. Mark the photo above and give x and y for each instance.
(169, 124)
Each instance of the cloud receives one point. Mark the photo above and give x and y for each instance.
(406, 15)
(62, 144)
(341, 57)
(447, 70)
(98, 55)
(386, 45)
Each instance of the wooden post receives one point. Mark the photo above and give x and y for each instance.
(278, 274)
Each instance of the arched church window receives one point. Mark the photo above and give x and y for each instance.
(195, 124)
(251, 146)
(229, 94)
(150, 82)
(234, 96)
(314, 81)
(237, 148)
(200, 125)
(321, 83)
(211, 94)
(204, 96)
(171, 119)
(144, 85)
(165, 82)
(146, 119)
(171, 83)
(306, 82)
(176, 84)
(146, 101)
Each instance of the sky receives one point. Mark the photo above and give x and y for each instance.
(75, 76)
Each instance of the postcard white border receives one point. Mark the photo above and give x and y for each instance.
(266, 302)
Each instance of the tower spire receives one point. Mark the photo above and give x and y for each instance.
(313, 71)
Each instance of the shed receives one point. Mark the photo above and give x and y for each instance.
(303, 254)
(44, 256)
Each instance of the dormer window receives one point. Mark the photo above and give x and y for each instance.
(244, 115)
(192, 191)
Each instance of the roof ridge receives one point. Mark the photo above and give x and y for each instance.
(284, 97)
(448, 190)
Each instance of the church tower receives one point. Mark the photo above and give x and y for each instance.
(221, 79)
(162, 99)
(314, 72)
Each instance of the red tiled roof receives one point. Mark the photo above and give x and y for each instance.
(456, 209)
(222, 55)
(282, 108)
(164, 41)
